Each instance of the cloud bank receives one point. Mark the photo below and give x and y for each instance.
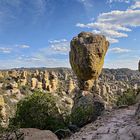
(115, 24)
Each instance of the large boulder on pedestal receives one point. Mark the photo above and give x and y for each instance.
(87, 57)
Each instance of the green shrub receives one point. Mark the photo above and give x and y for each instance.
(38, 111)
(82, 115)
(128, 98)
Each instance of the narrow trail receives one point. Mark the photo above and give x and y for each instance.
(115, 125)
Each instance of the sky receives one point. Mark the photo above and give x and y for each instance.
(37, 33)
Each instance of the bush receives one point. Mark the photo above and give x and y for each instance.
(82, 115)
(128, 98)
(38, 111)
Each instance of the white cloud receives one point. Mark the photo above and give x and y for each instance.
(57, 41)
(123, 18)
(55, 55)
(13, 63)
(131, 63)
(59, 46)
(23, 46)
(136, 5)
(114, 24)
(119, 50)
(28, 58)
(112, 40)
(101, 25)
(10, 48)
(5, 50)
(111, 1)
(31, 61)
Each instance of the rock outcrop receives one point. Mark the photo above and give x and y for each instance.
(33, 83)
(87, 57)
(71, 86)
(138, 114)
(53, 82)
(86, 108)
(3, 115)
(1, 75)
(117, 124)
(32, 134)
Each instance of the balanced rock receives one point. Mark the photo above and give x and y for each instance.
(87, 57)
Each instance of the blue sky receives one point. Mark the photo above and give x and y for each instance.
(36, 33)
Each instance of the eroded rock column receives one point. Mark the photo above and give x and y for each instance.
(87, 58)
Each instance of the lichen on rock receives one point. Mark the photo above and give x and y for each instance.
(87, 57)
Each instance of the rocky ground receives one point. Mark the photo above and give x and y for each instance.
(117, 124)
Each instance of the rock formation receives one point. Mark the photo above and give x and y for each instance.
(71, 86)
(45, 80)
(39, 85)
(23, 78)
(87, 57)
(23, 82)
(3, 117)
(112, 79)
(1, 75)
(33, 134)
(53, 81)
(33, 83)
(13, 74)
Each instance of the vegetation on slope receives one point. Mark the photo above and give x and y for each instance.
(127, 98)
(38, 111)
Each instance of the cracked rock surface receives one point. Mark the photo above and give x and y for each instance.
(115, 125)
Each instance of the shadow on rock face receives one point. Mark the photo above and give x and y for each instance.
(86, 108)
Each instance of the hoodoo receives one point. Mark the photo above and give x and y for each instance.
(87, 57)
